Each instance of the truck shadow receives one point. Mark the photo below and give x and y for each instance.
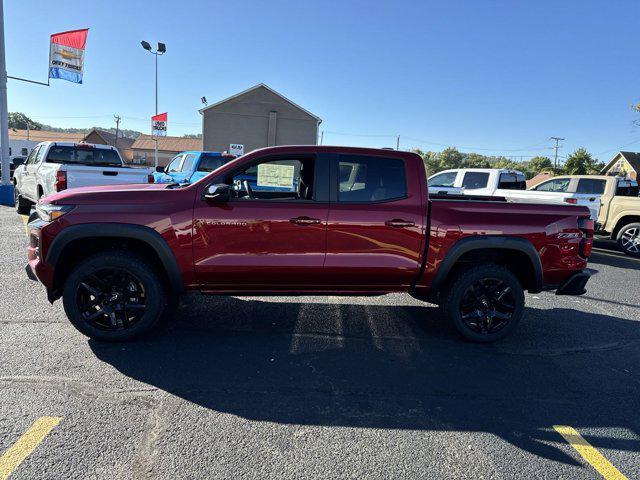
(375, 366)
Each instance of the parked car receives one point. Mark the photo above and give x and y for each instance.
(55, 166)
(476, 181)
(14, 162)
(188, 167)
(510, 184)
(618, 205)
(119, 255)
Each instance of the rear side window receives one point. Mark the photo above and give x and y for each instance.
(83, 155)
(209, 163)
(555, 185)
(187, 164)
(370, 179)
(475, 180)
(446, 179)
(512, 181)
(591, 185)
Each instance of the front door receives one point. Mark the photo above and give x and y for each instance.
(375, 228)
(271, 235)
(29, 185)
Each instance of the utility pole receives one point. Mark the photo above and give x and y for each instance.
(4, 119)
(555, 161)
(117, 120)
(321, 136)
(398, 143)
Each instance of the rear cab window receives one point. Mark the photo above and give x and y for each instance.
(512, 181)
(364, 178)
(83, 155)
(209, 163)
(627, 188)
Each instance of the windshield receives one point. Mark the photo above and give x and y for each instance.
(83, 156)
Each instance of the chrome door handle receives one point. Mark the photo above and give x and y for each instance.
(399, 223)
(305, 221)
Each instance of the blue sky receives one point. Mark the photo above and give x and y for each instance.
(501, 76)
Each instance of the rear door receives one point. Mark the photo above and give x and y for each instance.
(375, 226)
(589, 193)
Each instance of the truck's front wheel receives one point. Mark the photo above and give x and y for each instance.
(114, 296)
(629, 239)
(485, 303)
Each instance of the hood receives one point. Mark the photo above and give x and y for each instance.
(111, 194)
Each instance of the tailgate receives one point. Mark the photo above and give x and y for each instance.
(87, 176)
(592, 202)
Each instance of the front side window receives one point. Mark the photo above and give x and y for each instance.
(512, 181)
(276, 179)
(31, 159)
(446, 179)
(475, 180)
(555, 185)
(370, 179)
(174, 165)
(591, 186)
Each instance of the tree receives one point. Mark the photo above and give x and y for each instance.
(475, 160)
(450, 158)
(20, 121)
(538, 165)
(582, 162)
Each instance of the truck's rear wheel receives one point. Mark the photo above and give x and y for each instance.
(114, 296)
(629, 239)
(485, 303)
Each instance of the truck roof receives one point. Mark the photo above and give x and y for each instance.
(76, 144)
(485, 170)
(334, 149)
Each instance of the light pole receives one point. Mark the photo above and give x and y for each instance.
(5, 192)
(160, 50)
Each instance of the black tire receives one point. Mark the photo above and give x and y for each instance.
(22, 206)
(478, 314)
(629, 239)
(89, 291)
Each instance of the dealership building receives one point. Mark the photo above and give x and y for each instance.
(256, 118)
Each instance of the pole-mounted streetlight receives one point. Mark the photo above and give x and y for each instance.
(160, 50)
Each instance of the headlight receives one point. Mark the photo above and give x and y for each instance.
(49, 212)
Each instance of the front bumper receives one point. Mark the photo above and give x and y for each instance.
(575, 284)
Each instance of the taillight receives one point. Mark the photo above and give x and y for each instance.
(586, 226)
(61, 181)
(572, 201)
(150, 179)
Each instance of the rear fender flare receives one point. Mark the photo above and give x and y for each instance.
(490, 242)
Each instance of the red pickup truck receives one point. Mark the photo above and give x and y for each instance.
(310, 220)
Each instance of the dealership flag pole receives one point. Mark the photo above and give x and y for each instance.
(4, 114)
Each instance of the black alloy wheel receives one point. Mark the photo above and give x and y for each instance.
(115, 296)
(487, 305)
(484, 302)
(111, 299)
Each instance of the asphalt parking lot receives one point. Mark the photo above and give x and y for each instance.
(301, 387)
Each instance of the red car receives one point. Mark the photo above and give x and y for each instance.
(342, 221)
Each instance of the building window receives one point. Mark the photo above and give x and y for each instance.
(25, 151)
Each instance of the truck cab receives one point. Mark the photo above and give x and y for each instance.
(190, 166)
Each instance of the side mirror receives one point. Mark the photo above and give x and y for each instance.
(217, 193)
(159, 169)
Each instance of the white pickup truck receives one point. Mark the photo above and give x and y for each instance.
(510, 184)
(55, 166)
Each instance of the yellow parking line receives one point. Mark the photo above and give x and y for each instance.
(26, 444)
(589, 453)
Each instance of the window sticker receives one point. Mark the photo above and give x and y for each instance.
(273, 175)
